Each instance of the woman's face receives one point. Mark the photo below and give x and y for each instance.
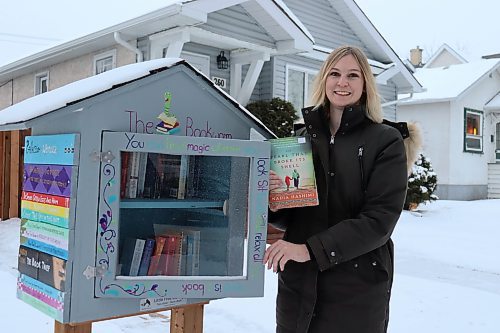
(345, 82)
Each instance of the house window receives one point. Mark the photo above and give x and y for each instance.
(41, 83)
(298, 87)
(473, 130)
(104, 62)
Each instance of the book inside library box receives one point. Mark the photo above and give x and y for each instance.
(176, 218)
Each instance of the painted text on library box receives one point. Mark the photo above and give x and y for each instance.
(48, 179)
(51, 149)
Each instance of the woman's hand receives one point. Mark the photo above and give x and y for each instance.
(275, 182)
(280, 252)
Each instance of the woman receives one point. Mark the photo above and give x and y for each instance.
(335, 261)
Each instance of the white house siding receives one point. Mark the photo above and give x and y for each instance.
(472, 175)
(237, 23)
(6, 94)
(327, 27)
(434, 122)
(388, 94)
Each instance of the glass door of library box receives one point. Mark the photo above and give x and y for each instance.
(181, 217)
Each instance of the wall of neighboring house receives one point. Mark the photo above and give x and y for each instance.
(59, 75)
(444, 59)
(434, 122)
(472, 173)
(6, 94)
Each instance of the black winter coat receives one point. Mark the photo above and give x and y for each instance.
(361, 180)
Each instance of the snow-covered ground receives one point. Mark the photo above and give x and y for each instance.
(447, 280)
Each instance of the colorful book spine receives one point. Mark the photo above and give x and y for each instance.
(131, 253)
(124, 172)
(134, 175)
(146, 257)
(193, 252)
(141, 178)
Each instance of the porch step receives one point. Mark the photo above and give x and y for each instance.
(494, 181)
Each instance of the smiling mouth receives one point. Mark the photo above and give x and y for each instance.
(342, 93)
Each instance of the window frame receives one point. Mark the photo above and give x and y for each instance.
(479, 137)
(306, 93)
(102, 56)
(39, 78)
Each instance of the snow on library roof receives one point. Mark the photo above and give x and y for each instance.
(42, 104)
(55, 99)
(448, 82)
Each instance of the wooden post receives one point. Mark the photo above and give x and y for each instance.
(14, 174)
(188, 319)
(69, 328)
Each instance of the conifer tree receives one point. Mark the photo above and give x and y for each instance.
(421, 183)
(277, 114)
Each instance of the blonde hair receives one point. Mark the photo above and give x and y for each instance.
(370, 96)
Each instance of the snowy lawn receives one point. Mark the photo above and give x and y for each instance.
(447, 280)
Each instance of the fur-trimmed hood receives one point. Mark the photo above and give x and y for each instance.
(412, 139)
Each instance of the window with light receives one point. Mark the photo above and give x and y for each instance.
(473, 130)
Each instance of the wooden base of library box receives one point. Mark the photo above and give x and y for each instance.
(186, 319)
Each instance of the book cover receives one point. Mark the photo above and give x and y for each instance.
(171, 262)
(155, 258)
(292, 161)
(190, 251)
(146, 257)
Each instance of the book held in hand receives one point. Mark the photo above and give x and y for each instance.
(292, 161)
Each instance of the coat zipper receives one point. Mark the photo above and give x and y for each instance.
(361, 168)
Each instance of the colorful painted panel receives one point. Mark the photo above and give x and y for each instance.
(52, 149)
(43, 217)
(41, 296)
(45, 233)
(49, 179)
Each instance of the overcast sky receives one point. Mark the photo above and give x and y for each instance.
(471, 28)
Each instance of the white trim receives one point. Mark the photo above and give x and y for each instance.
(386, 75)
(478, 136)
(440, 51)
(304, 70)
(39, 77)
(102, 56)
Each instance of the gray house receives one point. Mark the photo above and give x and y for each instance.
(253, 49)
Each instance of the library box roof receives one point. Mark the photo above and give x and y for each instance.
(132, 98)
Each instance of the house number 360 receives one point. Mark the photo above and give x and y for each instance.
(220, 82)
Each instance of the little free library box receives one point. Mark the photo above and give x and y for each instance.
(144, 188)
